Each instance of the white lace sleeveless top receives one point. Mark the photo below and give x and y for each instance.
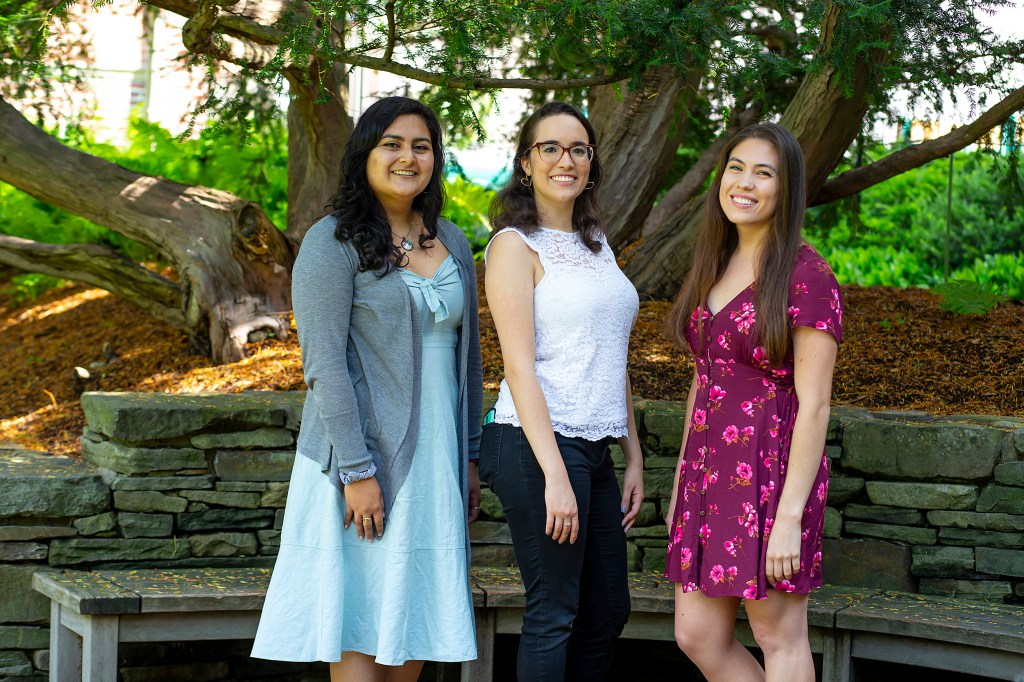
(583, 311)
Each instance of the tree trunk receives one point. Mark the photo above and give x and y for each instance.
(317, 133)
(638, 132)
(691, 182)
(234, 266)
(822, 118)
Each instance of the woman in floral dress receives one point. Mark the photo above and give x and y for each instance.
(762, 314)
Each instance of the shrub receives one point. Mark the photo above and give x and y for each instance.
(996, 273)
(879, 266)
(467, 208)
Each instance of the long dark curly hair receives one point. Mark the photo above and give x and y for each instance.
(360, 216)
(514, 203)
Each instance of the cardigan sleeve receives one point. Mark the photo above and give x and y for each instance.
(474, 369)
(322, 293)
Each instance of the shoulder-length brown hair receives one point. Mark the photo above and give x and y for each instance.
(718, 239)
(514, 203)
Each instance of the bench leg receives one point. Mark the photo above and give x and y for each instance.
(65, 649)
(836, 662)
(99, 649)
(482, 669)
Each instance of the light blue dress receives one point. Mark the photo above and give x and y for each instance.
(406, 595)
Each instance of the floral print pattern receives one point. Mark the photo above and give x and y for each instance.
(734, 464)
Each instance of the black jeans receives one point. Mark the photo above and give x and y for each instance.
(577, 598)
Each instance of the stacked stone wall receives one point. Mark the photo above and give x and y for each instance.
(916, 502)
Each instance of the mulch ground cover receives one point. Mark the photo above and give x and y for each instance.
(900, 351)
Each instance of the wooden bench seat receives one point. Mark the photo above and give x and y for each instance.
(92, 612)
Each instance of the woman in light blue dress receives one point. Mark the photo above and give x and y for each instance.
(372, 571)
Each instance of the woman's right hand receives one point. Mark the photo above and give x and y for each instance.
(563, 521)
(364, 503)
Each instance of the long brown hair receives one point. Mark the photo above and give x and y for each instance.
(718, 240)
(514, 203)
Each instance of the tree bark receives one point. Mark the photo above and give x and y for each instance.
(233, 264)
(317, 133)
(694, 178)
(638, 132)
(859, 179)
(101, 267)
(822, 118)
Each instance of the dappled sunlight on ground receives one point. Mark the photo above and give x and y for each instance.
(899, 351)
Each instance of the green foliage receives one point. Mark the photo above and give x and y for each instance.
(910, 211)
(31, 61)
(22, 215)
(28, 286)
(878, 265)
(253, 165)
(967, 298)
(256, 171)
(467, 207)
(997, 273)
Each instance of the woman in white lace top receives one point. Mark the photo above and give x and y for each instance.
(563, 311)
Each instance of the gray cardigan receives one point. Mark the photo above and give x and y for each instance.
(361, 340)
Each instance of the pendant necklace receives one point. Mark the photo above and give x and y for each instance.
(404, 241)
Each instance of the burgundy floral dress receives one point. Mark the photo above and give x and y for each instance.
(734, 465)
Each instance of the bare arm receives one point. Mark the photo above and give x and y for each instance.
(633, 478)
(512, 272)
(814, 354)
(690, 398)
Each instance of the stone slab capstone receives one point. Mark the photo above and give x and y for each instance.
(41, 485)
(921, 451)
(149, 417)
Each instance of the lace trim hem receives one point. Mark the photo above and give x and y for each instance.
(593, 432)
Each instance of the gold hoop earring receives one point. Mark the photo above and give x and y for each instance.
(589, 185)
(526, 182)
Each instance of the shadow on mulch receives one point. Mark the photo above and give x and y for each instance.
(900, 351)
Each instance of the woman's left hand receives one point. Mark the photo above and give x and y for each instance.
(632, 493)
(474, 493)
(782, 558)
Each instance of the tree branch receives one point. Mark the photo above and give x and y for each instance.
(242, 27)
(101, 267)
(389, 8)
(688, 185)
(859, 179)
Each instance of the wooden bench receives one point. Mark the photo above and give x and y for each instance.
(92, 612)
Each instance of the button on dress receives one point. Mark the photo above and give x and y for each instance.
(737, 448)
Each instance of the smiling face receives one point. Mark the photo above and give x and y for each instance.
(750, 187)
(556, 185)
(400, 166)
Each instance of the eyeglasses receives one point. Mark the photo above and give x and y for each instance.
(551, 152)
